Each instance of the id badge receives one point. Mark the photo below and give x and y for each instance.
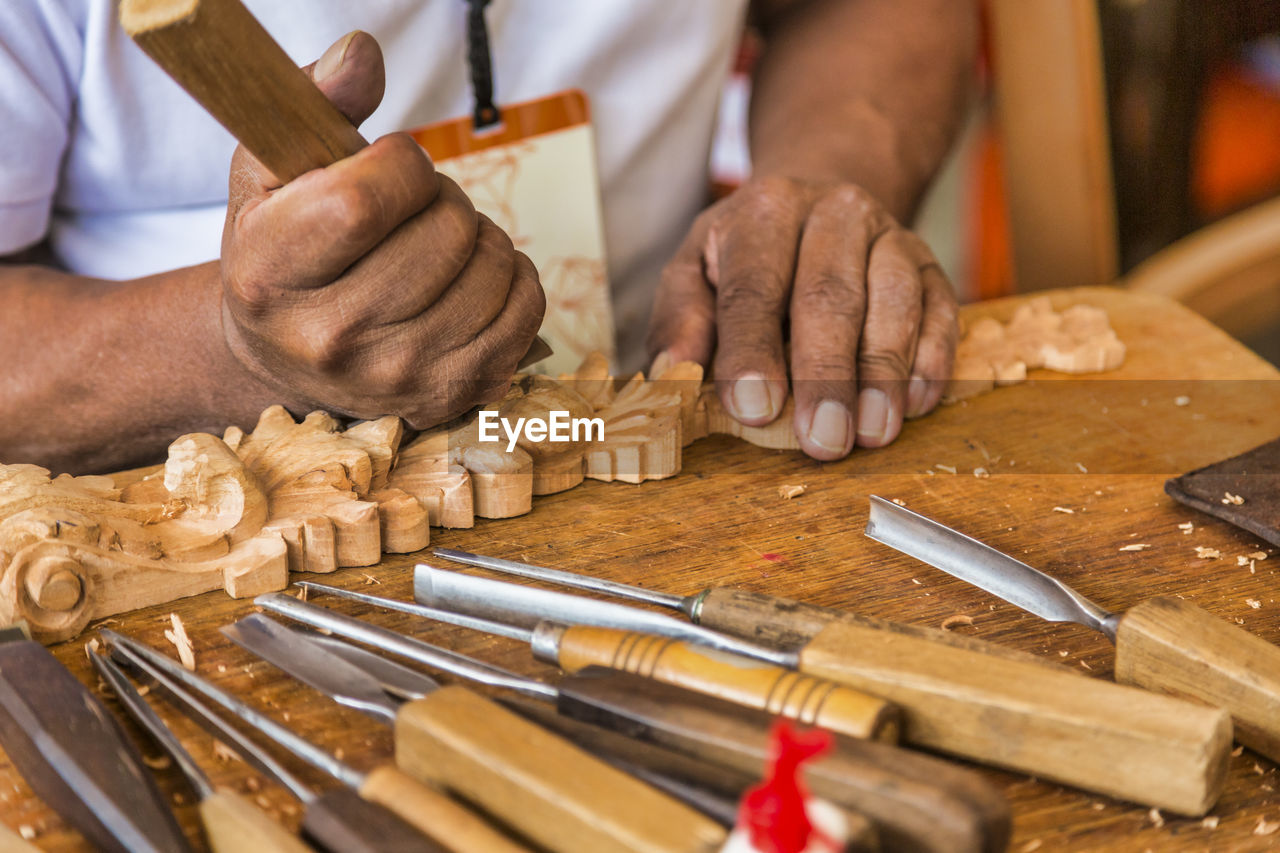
(534, 174)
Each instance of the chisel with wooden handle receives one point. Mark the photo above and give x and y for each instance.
(1093, 734)
(232, 824)
(542, 786)
(917, 803)
(1162, 643)
(219, 53)
(75, 756)
(779, 691)
(338, 821)
(782, 623)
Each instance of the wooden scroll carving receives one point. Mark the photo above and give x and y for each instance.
(240, 512)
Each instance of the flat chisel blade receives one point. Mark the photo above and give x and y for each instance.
(983, 566)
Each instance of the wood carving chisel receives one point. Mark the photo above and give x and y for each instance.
(1093, 734)
(542, 786)
(777, 690)
(232, 824)
(1162, 643)
(338, 821)
(783, 623)
(75, 756)
(916, 802)
(224, 58)
(713, 789)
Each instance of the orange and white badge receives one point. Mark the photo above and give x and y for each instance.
(534, 174)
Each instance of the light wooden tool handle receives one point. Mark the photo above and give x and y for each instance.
(11, 842)
(1086, 732)
(782, 692)
(787, 624)
(232, 824)
(545, 788)
(339, 821)
(1171, 645)
(434, 814)
(219, 53)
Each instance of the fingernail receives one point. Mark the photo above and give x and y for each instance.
(917, 388)
(332, 60)
(751, 398)
(873, 415)
(830, 426)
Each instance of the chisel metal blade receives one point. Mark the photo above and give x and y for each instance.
(398, 680)
(343, 682)
(983, 566)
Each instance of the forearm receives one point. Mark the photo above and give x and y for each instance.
(100, 375)
(863, 91)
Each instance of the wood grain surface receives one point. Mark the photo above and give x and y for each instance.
(721, 522)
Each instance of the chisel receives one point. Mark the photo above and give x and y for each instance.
(782, 623)
(779, 691)
(1093, 734)
(1162, 643)
(713, 789)
(339, 821)
(916, 802)
(224, 58)
(75, 756)
(542, 786)
(231, 823)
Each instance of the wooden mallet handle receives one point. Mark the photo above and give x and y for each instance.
(219, 53)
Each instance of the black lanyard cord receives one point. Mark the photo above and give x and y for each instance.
(481, 64)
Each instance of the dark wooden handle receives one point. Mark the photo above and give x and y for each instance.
(1171, 645)
(339, 821)
(786, 624)
(916, 802)
(74, 754)
(219, 53)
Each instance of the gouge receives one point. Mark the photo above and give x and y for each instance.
(219, 53)
(540, 785)
(1162, 643)
(1093, 734)
(75, 756)
(231, 823)
(916, 802)
(766, 619)
(780, 691)
(338, 821)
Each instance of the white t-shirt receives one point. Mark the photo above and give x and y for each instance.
(127, 176)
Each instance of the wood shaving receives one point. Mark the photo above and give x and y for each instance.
(1234, 500)
(899, 501)
(1211, 822)
(950, 469)
(1242, 561)
(1187, 528)
(222, 752)
(981, 473)
(1085, 664)
(1063, 653)
(1257, 555)
(27, 832)
(1266, 827)
(1137, 546)
(1067, 510)
(1182, 401)
(157, 762)
(787, 491)
(959, 619)
(91, 647)
(178, 636)
(1033, 844)
(917, 582)
(1258, 768)
(1207, 553)
(1083, 470)
(370, 580)
(1253, 602)
(1237, 752)
(1157, 819)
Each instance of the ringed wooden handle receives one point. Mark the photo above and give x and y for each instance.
(219, 53)
(434, 813)
(781, 692)
(232, 824)
(545, 788)
(1171, 645)
(1086, 732)
(339, 821)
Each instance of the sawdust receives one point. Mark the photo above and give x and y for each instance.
(899, 501)
(981, 473)
(951, 622)
(1030, 846)
(1067, 510)
(370, 580)
(178, 636)
(1083, 470)
(1137, 546)
(787, 491)
(1182, 401)
(1253, 602)
(1207, 553)
(1257, 555)
(1233, 500)
(1211, 822)
(222, 752)
(1157, 819)
(1266, 827)
(950, 469)
(157, 762)
(27, 832)
(1187, 528)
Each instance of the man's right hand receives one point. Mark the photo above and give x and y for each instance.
(373, 286)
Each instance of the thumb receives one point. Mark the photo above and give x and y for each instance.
(351, 75)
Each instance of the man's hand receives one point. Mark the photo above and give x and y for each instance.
(870, 316)
(372, 287)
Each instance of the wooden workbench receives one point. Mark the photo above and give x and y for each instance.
(1101, 448)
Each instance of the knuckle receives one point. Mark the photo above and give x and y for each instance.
(831, 295)
(884, 361)
(898, 281)
(751, 294)
(353, 207)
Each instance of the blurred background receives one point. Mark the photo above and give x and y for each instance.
(1134, 142)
